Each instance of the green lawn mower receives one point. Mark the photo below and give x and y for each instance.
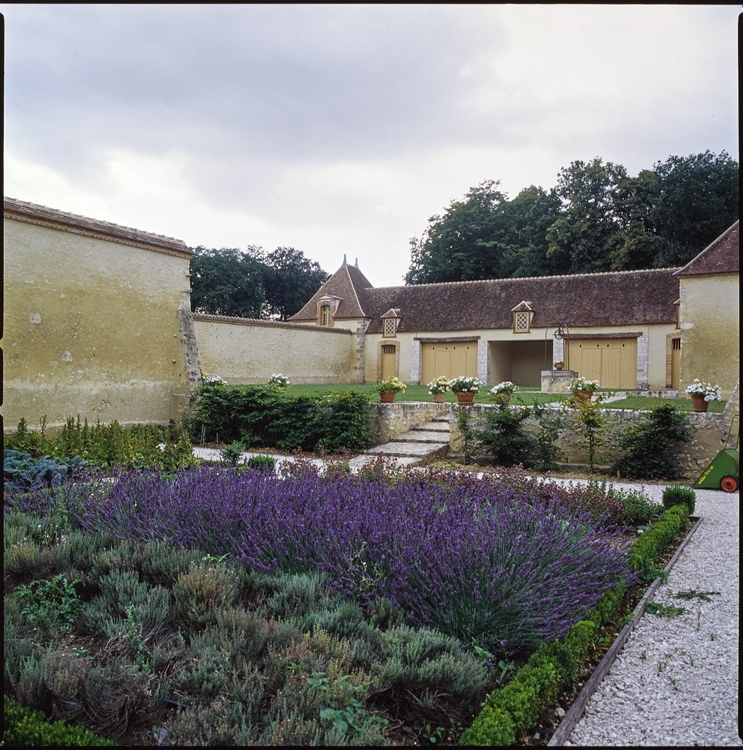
(723, 472)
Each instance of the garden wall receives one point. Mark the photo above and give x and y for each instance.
(708, 436)
(97, 321)
(243, 351)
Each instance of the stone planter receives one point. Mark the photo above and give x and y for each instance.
(583, 396)
(437, 398)
(387, 397)
(465, 399)
(699, 403)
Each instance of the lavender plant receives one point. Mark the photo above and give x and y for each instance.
(468, 557)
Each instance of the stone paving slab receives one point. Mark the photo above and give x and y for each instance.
(419, 436)
(421, 450)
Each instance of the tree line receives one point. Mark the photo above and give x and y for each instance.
(252, 283)
(597, 218)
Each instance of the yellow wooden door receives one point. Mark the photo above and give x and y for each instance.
(448, 360)
(388, 361)
(675, 362)
(613, 362)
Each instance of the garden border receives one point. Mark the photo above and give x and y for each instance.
(575, 713)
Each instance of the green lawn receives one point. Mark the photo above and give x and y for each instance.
(522, 396)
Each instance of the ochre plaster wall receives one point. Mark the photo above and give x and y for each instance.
(91, 327)
(243, 351)
(710, 331)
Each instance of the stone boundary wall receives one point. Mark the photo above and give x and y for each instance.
(708, 436)
(245, 351)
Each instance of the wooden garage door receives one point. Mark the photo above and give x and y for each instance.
(613, 362)
(449, 360)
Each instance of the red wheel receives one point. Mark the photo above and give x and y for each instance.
(729, 484)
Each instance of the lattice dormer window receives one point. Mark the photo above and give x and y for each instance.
(390, 321)
(522, 315)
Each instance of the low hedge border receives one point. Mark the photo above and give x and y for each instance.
(517, 706)
(25, 727)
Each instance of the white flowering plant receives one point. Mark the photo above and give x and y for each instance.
(439, 385)
(207, 378)
(707, 391)
(506, 388)
(460, 384)
(583, 384)
(393, 384)
(279, 381)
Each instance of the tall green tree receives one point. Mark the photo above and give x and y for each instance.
(290, 279)
(227, 282)
(698, 200)
(590, 228)
(469, 241)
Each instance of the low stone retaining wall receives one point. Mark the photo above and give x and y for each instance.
(708, 437)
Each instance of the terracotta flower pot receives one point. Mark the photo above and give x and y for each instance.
(583, 396)
(559, 366)
(699, 403)
(463, 399)
(387, 397)
(504, 397)
(438, 398)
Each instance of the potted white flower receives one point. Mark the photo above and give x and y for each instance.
(438, 389)
(388, 388)
(279, 382)
(503, 391)
(702, 393)
(465, 388)
(583, 389)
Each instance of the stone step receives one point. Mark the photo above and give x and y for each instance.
(421, 436)
(421, 451)
(432, 427)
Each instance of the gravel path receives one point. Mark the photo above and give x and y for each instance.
(675, 682)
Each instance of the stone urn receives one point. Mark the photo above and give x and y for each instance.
(465, 399)
(437, 398)
(387, 397)
(583, 396)
(699, 403)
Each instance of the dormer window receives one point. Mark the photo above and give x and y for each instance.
(389, 323)
(326, 307)
(522, 315)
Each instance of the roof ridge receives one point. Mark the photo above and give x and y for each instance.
(529, 278)
(355, 294)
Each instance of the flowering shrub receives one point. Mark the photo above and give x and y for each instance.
(206, 378)
(506, 387)
(393, 384)
(707, 391)
(471, 558)
(439, 385)
(279, 381)
(461, 384)
(583, 384)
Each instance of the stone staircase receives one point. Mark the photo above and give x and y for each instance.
(418, 446)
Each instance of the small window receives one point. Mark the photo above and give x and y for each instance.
(325, 315)
(521, 322)
(677, 344)
(388, 348)
(389, 327)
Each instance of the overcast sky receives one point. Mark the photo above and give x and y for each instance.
(343, 129)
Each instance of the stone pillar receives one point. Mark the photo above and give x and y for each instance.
(415, 363)
(482, 361)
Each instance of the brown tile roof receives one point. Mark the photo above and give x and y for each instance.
(349, 284)
(50, 217)
(623, 298)
(722, 256)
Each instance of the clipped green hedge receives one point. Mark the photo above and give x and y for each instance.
(516, 707)
(268, 416)
(25, 727)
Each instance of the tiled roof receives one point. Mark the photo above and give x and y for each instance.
(722, 256)
(624, 298)
(50, 217)
(347, 283)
